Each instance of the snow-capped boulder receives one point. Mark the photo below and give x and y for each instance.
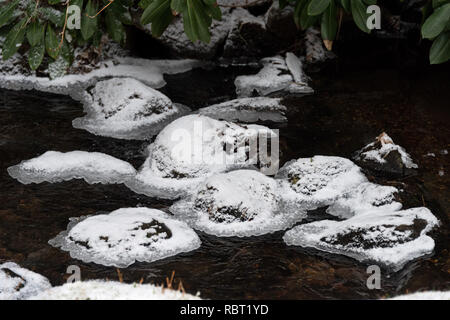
(17, 283)
(318, 181)
(54, 166)
(365, 197)
(111, 290)
(247, 110)
(194, 147)
(389, 238)
(238, 203)
(385, 156)
(125, 108)
(125, 236)
(275, 76)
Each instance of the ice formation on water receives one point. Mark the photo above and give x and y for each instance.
(384, 154)
(247, 110)
(275, 76)
(53, 166)
(389, 238)
(424, 295)
(125, 236)
(192, 148)
(318, 181)
(111, 290)
(125, 108)
(17, 283)
(239, 203)
(149, 72)
(365, 197)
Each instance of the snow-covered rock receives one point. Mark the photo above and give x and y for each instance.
(384, 155)
(149, 72)
(111, 290)
(247, 110)
(54, 166)
(425, 295)
(17, 283)
(126, 108)
(239, 203)
(389, 238)
(316, 53)
(194, 147)
(125, 236)
(365, 197)
(318, 181)
(275, 76)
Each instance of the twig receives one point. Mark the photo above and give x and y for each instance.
(92, 17)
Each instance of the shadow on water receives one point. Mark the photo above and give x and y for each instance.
(348, 110)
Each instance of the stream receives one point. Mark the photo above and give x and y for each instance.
(349, 109)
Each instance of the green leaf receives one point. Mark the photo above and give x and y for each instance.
(370, 2)
(155, 9)
(54, 16)
(440, 50)
(437, 22)
(115, 27)
(346, 4)
(179, 6)
(53, 1)
(35, 32)
(52, 43)
(7, 12)
(214, 12)
(196, 21)
(144, 3)
(306, 20)
(299, 5)
(437, 3)
(360, 16)
(329, 23)
(14, 39)
(160, 23)
(89, 25)
(36, 55)
(316, 7)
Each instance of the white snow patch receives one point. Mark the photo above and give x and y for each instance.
(125, 108)
(318, 181)
(125, 236)
(380, 148)
(425, 295)
(190, 149)
(275, 76)
(149, 72)
(240, 203)
(54, 166)
(365, 197)
(111, 290)
(390, 238)
(17, 283)
(247, 110)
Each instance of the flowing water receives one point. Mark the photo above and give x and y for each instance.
(349, 109)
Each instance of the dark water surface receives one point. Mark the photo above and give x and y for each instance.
(348, 110)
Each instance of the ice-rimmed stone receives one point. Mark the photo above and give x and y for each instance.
(17, 283)
(192, 148)
(247, 110)
(125, 236)
(365, 197)
(275, 76)
(240, 203)
(318, 181)
(111, 290)
(389, 238)
(149, 72)
(54, 166)
(384, 155)
(126, 108)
